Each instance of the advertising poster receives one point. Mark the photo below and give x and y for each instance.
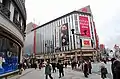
(64, 34)
(86, 43)
(84, 26)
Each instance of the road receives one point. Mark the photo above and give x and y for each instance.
(96, 69)
(69, 74)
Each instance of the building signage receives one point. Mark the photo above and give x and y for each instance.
(86, 43)
(84, 26)
(64, 34)
(85, 9)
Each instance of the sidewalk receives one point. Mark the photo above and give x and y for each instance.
(23, 73)
(96, 70)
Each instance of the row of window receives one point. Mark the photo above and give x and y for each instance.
(9, 9)
(48, 31)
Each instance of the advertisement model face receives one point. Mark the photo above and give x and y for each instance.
(64, 34)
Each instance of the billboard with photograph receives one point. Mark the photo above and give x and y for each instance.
(84, 26)
(64, 34)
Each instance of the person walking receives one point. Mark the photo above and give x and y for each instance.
(85, 69)
(72, 65)
(103, 72)
(40, 65)
(89, 67)
(48, 71)
(116, 64)
(53, 67)
(113, 67)
(35, 65)
(20, 67)
(61, 71)
(65, 64)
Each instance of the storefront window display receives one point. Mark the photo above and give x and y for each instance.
(9, 53)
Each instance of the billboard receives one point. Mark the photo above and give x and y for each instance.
(64, 34)
(86, 43)
(84, 26)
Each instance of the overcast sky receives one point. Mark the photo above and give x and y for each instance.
(106, 15)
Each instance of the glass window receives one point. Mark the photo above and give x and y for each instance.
(69, 18)
(75, 16)
(76, 23)
(9, 55)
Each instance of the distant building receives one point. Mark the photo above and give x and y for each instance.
(31, 39)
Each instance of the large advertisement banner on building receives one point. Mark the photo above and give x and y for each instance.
(86, 43)
(64, 34)
(84, 26)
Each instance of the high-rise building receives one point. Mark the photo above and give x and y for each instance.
(12, 28)
(32, 39)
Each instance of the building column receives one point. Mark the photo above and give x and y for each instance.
(76, 56)
(94, 56)
(50, 56)
(57, 58)
(44, 57)
(21, 54)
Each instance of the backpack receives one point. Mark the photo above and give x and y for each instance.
(104, 70)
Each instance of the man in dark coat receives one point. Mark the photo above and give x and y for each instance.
(89, 66)
(53, 66)
(85, 69)
(112, 68)
(117, 69)
(61, 71)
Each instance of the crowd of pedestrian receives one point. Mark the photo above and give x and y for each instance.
(84, 65)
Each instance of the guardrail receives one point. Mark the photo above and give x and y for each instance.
(6, 75)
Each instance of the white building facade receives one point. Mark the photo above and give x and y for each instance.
(55, 37)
